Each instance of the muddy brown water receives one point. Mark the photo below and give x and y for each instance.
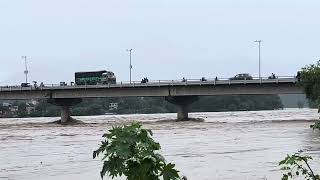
(227, 145)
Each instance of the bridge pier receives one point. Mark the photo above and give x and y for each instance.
(65, 114)
(183, 105)
(65, 105)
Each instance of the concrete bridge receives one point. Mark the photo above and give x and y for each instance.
(182, 94)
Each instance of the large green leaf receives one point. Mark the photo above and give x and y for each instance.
(169, 173)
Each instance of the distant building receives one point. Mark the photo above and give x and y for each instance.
(113, 106)
(6, 104)
(30, 109)
(13, 109)
(33, 102)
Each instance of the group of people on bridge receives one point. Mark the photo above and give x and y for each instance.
(35, 85)
(145, 80)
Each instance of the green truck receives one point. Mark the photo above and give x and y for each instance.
(95, 78)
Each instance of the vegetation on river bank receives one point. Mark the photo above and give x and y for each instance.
(297, 164)
(309, 78)
(146, 105)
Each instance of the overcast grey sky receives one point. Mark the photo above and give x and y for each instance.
(170, 38)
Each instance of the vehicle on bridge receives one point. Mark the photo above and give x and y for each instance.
(243, 76)
(25, 85)
(63, 83)
(95, 77)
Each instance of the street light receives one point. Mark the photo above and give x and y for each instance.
(26, 67)
(130, 67)
(259, 41)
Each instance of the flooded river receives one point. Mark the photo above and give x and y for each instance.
(227, 145)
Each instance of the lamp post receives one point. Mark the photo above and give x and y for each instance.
(26, 67)
(130, 51)
(259, 42)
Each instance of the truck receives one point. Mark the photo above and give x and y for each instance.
(95, 78)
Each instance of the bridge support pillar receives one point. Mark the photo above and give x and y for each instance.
(183, 105)
(65, 114)
(65, 105)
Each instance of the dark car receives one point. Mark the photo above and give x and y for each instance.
(244, 76)
(25, 84)
(63, 84)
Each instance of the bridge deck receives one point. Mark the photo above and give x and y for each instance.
(160, 83)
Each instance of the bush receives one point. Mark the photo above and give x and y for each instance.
(130, 151)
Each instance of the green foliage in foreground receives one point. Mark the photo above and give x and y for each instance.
(130, 151)
(297, 165)
(310, 80)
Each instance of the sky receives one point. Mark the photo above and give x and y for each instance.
(170, 39)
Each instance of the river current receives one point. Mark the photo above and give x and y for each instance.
(227, 145)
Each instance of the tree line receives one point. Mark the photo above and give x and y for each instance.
(147, 105)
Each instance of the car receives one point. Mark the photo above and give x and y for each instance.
(243, 76)
(25, 84)
(63, 84)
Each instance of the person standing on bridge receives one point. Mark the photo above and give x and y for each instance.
(298, 76)
(273, 76)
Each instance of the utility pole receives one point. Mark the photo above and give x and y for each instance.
(259, 41)
(26, 67)
(130, 50)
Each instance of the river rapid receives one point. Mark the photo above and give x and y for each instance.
(227, 145)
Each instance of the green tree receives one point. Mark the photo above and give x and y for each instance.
(236, 103)
(310, 80)
(131, 152)
(146, 105)
(22, 109)
(300, 104)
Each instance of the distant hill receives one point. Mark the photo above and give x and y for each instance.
(294, 100)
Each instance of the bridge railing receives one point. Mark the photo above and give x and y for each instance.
(158, 83)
